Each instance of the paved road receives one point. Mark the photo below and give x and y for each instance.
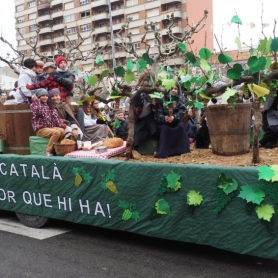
(70, 250)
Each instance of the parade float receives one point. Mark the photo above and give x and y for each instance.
(228, 207)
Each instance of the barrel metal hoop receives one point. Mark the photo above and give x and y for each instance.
(13, 111)
(230, 132)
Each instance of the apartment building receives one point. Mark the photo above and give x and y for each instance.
(53, 16)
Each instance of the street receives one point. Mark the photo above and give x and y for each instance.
(67, 250)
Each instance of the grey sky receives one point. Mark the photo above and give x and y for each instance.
(249, 11)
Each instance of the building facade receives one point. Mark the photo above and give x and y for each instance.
(53, 16)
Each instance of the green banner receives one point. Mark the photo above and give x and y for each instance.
(191, 203)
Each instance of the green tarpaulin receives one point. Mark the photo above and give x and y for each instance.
(122, 195)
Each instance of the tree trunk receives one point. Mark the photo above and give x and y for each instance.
(130, 137)
(257, 130)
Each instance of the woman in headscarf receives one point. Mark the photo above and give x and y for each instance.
(173, 139)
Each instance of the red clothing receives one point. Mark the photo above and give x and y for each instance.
(43, 116)
(49, 83)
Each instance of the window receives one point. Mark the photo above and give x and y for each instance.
(71, 43)
(152, 12)
(24, 52)
(130, 3)
(32, 16)
(33, 28)
(21, 42)
(86, 27)
(155, 42)
(133, 16)
(20, 19)
(85, 14)
(69, 18)
(69, 6)
(70, 31)
(137, 45)
(22, 30)
(135, 31)
(87, 41)
(20, 8)
(31, 4)
(84, 2)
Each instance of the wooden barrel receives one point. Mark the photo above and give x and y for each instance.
(16, 128)
(229, 129)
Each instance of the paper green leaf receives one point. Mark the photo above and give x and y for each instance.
(93, 80)
(194, 198)
(258, 90)
(172, 179)
(75, 170)
(123, 204)
(168, 84)
(268, 46)
(268, 63)
(275, 170)
(274, 45)
(99, 60)
(135, 215)
(162, 207)
(119, 71)
(205, 53)
(224, 58)
(262, 45)
(117, 123)
(87, 177)
(163, 74)
(182, 47)
(235, 72)
(111, 175)
(105, 73)
(236, 19)
(86, 78)
(169, 69)
(141, 65)
(265, 212)
(198, 105)
(256, 64)
(205, 65)
(238, 43)
(191, 57)
(265, 173)
(147, 58)
(253, 194)
(129, 76)
(228, 185)
(130, 65)
(229, 93)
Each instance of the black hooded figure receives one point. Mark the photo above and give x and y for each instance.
(173, 139)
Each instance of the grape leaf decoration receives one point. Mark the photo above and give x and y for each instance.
(168, 84)
(99, 60)
(129, 76)
(141, 65)
(222, 200)
(108, 181)
(173, 180)
(93, 80)
(147, 58)
(162, 207)
(105, 73)
(229, 93)
(265, 212)
(254, 194)
(119, 71)
(130, 65)
(182, 47)
(80, 175)
(265, 173)
(275, 170)
(236, 19)
(198, 105)
(129, 210)
(194, 198)
(228, 185)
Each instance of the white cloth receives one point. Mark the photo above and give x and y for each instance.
(219, 99)
(25, 77)
(88, 121)
(12, 93)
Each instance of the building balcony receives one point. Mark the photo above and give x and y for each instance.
(119, 11)
(114, 1)
(169, 1)
(175, 30)
(117, 26)
(46, 30)
(99, 3)
(56, 2)
(102, 43)
(58, 27)
(43, 6)
(57, 14)
(44, 18)
(120, 54)
(45, 42)
(58, 39)
(101, 16)
(175, 61)
(104, 29)
(177, 14)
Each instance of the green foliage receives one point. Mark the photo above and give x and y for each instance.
(182, 47)
(236, 19)
(235, 72)
(194, 198)
(205, 53)
(228, 185)
(156, 95)
(129, 76)
(229, 93)
(93, 80)
(224, 58)
(265, 212)
(191, 57)
(129, 65)
(198, 105)
(99, 60)
(173, 180)
(162, 207)
(254, 194)
(168, 84)
(222, 200)
(105, 73)
(147, 58)
(274, 45)
(238, 43)
(256, 64)
(205, 65)
(141, 65)
(265, 46)
(265, 173)
(129, 210)
(119, 71)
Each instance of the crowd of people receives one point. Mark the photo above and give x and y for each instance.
(168, 123)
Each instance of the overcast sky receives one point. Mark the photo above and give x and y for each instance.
(249, 12)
